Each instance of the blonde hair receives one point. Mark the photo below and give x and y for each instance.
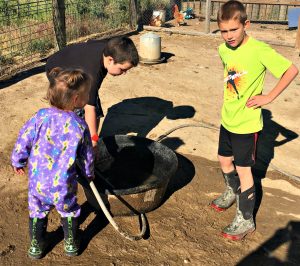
(232, 10)
(64, 84)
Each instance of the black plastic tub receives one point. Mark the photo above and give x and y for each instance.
(132, 174)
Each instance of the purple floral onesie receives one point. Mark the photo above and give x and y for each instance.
(52, 140)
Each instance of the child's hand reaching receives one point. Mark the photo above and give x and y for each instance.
(19, 170)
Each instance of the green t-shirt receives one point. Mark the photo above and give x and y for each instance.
(244, 74)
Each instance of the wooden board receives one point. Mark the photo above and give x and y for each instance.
(297, 44)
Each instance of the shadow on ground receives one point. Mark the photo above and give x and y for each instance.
(22, 75)
(140, 115)
(97, 224)
(267, 142)
(263, 255)
(184, 175)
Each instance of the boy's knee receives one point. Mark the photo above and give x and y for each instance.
(225, 161)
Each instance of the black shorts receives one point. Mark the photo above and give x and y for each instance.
(241, 146)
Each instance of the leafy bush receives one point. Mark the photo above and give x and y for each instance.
(41, 46)
(4, 60)
(116, 12)
(91, 7)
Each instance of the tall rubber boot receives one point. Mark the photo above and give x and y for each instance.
(71, 242)
(224, 201)
(37, 231)
(243, 222)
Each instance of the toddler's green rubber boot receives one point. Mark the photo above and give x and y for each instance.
(37, 230)
(71, 241)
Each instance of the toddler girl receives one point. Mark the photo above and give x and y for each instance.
(53, 142)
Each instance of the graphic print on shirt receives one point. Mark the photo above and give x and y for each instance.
(39, 188)
(50, 161)
(36, 148)
(49, 137)
(56, 178)
(234, 82)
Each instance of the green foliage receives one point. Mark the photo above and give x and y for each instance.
(93, 8)
(113, 12)
(153, 4)
(4, 60)
(27, 24)
(41, 46)
(15, 12)
(117, 12)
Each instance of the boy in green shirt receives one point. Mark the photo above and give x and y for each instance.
(245, 61)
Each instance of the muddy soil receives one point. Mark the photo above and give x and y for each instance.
(149, 101)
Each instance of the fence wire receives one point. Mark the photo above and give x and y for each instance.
(27, 33)
(264, 11)
(267, 11)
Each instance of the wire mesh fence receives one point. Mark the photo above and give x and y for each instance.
(258, 11)
(264, 11)
(27, 33)
(146, 8)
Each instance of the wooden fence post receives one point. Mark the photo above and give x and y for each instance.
(207, 16)
(133, 14)
(283, 12)
(59, 22)
(297, 44)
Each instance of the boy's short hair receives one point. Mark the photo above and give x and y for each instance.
(122, 49)
(232, 10)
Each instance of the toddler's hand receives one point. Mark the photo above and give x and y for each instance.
(258, 101)
(19, 170)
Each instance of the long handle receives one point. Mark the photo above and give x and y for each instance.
(111, 220)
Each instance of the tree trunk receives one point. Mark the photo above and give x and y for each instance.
(59, 22)
(133, 14)
(207, 16)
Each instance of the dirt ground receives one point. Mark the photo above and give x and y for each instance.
(149, 101)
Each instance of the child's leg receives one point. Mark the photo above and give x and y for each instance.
(37, 231)
(226, 163)
(243, 222)
(37, 226)
(70, 227)
(70, 211)
(232, 182)
(244, 147)
(246, 177)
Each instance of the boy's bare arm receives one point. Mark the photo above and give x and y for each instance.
(91, 119)
(285, 80)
